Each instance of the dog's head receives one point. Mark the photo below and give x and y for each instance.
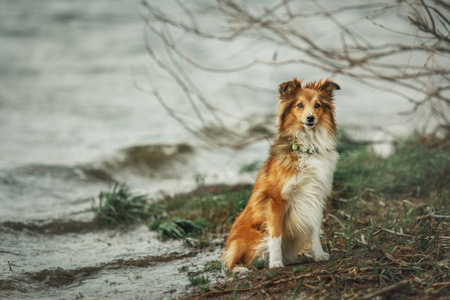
(306, 108)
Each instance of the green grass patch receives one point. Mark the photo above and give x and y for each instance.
(183, 269)
(204, 288)
(213, 266)
(418, 166)
(119, 206)
(176, 228)
(259, 264)
(199, 280)
(298, 269)
(269, 274)
(209, 211)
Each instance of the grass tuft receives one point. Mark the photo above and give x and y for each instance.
(213, 266)
(269, 274)
(259, 264)
(199, 280)
(176, 228)
(298, 269)
(204, 288)
(119, 206)
(183, 269)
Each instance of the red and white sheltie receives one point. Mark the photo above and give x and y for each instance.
(284, 212)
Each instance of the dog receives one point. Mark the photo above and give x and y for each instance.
(284, 212)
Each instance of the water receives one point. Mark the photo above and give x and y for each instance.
(71, 122)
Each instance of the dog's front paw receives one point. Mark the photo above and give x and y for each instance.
(323, 256)
(276, 264)
(240, 270)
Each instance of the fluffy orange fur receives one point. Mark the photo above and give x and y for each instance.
(265, 215)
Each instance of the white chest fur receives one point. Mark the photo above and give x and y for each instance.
(308, 188)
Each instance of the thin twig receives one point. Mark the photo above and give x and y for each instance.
(336, 219)
(109, 244)
(406, 235)
(384, 291)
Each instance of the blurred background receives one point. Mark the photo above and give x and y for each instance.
(106, 84)
(168, 95)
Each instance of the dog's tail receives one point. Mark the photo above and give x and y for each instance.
(242, 250)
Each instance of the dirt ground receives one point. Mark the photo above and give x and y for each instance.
(392, 249)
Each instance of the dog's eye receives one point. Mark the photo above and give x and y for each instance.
(317, 105)
(300, 105)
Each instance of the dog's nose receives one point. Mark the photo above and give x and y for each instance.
(310, 118)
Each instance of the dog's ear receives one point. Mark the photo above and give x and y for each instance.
(329, 86)
(288, 87)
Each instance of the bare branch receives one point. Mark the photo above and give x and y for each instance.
(412, 63)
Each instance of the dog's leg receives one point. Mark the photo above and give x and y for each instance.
(275, 254)
(316, 246)
(292, 247)
(275, 221)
